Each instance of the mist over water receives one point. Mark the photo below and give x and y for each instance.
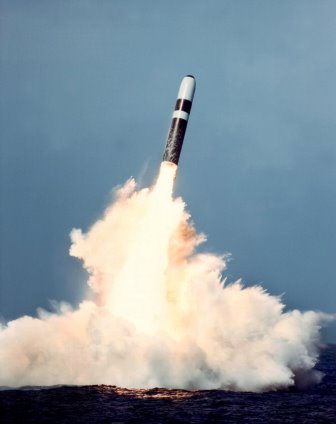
(162, 314)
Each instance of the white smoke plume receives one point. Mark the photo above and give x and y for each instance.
(163, 316)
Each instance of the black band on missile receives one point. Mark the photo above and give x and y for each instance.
(175, 140)
(184, 105)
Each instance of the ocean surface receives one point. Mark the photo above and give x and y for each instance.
(111, 404)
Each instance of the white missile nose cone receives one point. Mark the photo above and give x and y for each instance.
(187, 88)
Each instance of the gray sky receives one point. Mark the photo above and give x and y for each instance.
(87, 91)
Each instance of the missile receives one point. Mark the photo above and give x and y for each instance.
(179, 120)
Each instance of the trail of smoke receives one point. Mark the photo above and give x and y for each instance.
(163, 316)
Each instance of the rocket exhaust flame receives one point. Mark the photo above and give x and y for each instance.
(165, 317)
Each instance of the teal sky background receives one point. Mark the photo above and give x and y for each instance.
(87, 92)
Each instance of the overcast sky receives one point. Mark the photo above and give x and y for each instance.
(87, 91)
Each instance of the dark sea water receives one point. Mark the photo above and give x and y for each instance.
(110, 404)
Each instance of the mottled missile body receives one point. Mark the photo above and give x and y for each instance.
(179, 120)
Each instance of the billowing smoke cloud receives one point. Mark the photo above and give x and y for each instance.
(162, 315)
